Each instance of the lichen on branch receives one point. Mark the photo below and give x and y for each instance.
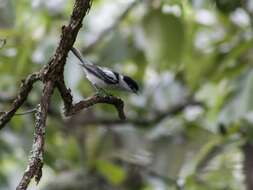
(52, 77)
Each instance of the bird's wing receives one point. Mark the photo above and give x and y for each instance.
(111, 75)
(105, 74)
(108, 76)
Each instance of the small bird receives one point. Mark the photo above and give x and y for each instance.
(103, 78)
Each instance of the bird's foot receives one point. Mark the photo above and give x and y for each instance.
(102, 92)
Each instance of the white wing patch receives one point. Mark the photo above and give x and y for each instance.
(109, 73)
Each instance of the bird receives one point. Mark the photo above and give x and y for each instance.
(103, 78)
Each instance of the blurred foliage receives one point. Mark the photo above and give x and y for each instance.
(174, 49)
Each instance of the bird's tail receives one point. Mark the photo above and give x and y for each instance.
(77, 53)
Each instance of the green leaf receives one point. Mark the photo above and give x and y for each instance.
(227, 6)
(113, 173)
(164, 38)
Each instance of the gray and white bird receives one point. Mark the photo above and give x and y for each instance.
(103, 78)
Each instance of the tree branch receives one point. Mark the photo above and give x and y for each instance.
(118, 103)
(49, 75)
(35, 164)
(26, 87)
(65, 94)
(54, 70)
(138, 121)
(52, 76)
(71, 109)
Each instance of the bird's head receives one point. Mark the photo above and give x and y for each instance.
(131, 84)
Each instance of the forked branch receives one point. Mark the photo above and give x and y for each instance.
(52, 77)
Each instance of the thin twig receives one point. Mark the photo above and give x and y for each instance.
(30, 106)
(138, 121)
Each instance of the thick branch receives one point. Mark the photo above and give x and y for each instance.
(50, 75)
(35, 164)
(69, 33)
(25, 89)
(55, 67)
